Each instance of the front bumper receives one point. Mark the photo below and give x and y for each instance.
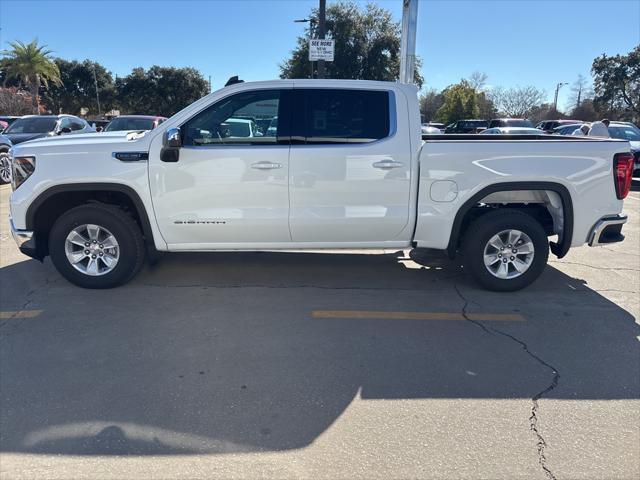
(26, 241)
(607, 230)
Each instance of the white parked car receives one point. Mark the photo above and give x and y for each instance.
(512, 131)
(346, 169)
(427, 130)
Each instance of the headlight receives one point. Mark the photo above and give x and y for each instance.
(21, 169)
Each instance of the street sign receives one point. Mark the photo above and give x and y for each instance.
(320, 50)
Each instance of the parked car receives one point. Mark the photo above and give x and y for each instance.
(631, 133)
(466, 126)
(511, 131)
(134, 122)
(429, 130)
(5, 161)
(550, 125)
(99, 124)
(566, 129)
(346, 169)
(31, 127)
(6, 120)
(510, 122)
(439, 126)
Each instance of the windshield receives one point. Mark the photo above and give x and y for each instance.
(33, 125)
(129, 123)
(473, 123)
(517, 123)
(232, 128)
(627, 132)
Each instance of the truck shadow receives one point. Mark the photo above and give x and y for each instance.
(216, 353)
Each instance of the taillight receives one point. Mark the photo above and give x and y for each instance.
(622, 173)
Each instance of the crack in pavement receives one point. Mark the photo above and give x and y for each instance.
(541, 444)
(595, 266)
(28, 301)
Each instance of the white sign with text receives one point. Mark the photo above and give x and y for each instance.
(320, 50)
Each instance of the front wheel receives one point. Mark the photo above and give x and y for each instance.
(505, 250)
(96, 246)
(5, 168)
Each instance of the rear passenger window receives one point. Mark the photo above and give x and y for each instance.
(344, 116)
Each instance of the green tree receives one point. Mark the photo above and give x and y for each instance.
(78, 88)
(459, 103)
(31, 64)
(367, 45)
(617, 83)
(160, 90)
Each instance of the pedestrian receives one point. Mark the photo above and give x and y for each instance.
(582, 131)
(600, 129)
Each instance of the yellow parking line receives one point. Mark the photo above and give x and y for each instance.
(20, 314)
(367, 314)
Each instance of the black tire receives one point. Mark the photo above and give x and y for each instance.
(5, 167)
(121, 226)
(481, 230)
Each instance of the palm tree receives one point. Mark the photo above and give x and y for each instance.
(32, 65)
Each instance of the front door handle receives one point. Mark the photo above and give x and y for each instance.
(266, 165)
(387, 164)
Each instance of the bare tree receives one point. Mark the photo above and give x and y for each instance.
(581, 90)
(478, 80)
(517, 101)
(430, 102)
(15, 102)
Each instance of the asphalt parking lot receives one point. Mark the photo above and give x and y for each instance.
(302, 365)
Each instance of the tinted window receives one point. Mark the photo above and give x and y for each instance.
(77, 125)
(625, 133)
(33, 125)
(341, 116)
(129, 123)
(244, 118)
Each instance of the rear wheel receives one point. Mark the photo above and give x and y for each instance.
(505, 250)
(5, 168)
(96, 246)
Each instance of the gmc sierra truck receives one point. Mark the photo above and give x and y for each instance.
(313, 164)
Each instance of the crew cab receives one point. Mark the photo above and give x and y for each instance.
(346, 168)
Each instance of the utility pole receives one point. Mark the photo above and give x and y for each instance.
(321, 32)
(209, 83)
(555, 99)
(408, 40)
(95, 81)
(311, 22)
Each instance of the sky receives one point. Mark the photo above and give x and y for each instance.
(515, 42)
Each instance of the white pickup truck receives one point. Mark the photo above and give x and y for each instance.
(313, 164)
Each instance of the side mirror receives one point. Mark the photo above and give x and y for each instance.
(173, 138)
(64, 130)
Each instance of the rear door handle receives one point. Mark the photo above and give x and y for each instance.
(387, 164)
(266, 165)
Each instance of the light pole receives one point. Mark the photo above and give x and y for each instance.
(408, 40)
(95, 80)
(310, 21)
(555, 98)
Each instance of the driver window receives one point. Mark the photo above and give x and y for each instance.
(248, 118)
(64, 123)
